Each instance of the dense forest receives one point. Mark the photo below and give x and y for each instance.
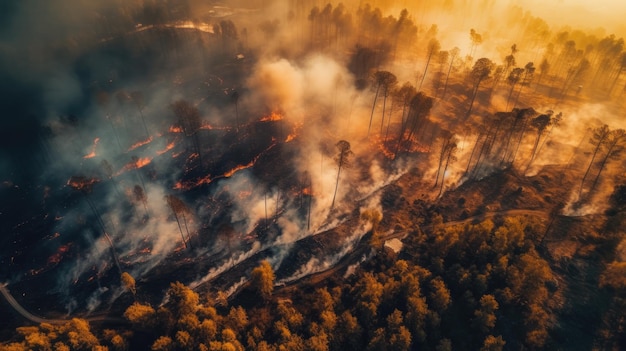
(302, 175)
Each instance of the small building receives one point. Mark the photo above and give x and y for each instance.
(393, 246)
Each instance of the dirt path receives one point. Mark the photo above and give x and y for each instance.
(17, 307)
(38, 320)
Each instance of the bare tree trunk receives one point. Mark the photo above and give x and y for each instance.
(593, 157)
(266, 222)
(443, 176)
(508, 99)
(373, 107)
(180, 229)
(603, 164)
(186, 229)
(332, 205)
(469, 163)
(474, 93)
(441, 158)
(425, 69)
(104, 231)
(382, 121)
(445, 86)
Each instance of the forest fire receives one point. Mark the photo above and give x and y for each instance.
(167, 148)
(92, 154)
(272, 190)
(56, 257)
(175, 129)
(294, 134)
(136, 163)
(82, 183)
(272, 117)
(140, 144)
(239, 168)
(188, 185)
(385, 147)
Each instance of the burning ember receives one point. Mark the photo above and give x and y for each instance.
(167, 148)
(136, 163)
(56, 257)
(294, 133)
(82, 182)
(239, 168)
(191, 185)
(140, 144)
(383, 147)
(92, 154)
(175, 129)
(274, 116)
(212, 127)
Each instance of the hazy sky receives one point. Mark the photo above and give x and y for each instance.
(609, 14)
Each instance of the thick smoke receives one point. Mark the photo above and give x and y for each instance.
(89, 88)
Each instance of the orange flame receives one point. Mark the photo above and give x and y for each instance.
(167, 148)
(307, 191)
(190, 185)
(239, 168)
(384, 148)
(142, 162)
(81, 182)
(274, 116)
(92, 154)
(56, 257)
(140, 143)
(135, 164)
(175, 129)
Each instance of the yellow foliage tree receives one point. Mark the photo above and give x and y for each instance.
(140, 315)
(163, 343)
(263, 279)
(128, 282)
